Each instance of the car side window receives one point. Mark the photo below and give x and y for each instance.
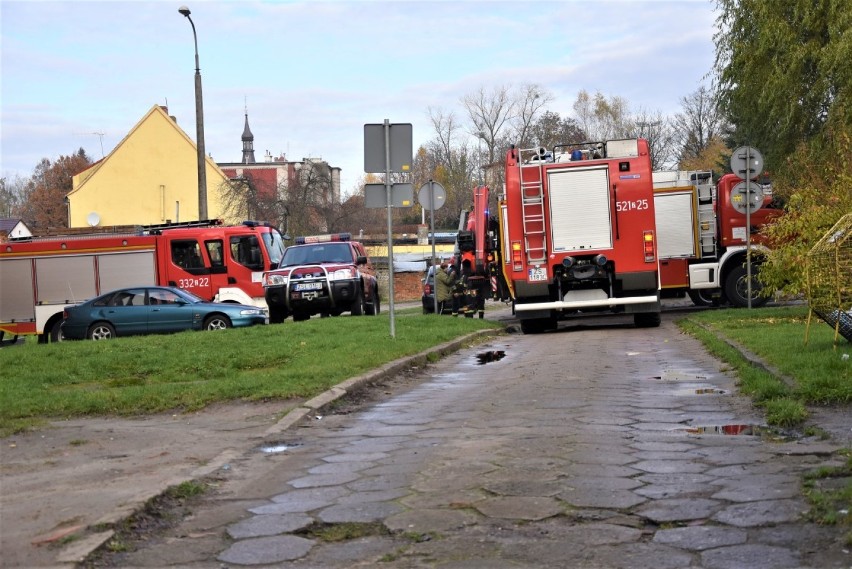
(159, 296)
(134, 297)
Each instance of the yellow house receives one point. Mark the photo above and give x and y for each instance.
(150, 177)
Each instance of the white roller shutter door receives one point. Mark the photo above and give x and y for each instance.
(580, 209)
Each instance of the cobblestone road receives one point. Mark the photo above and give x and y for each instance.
(597, 446)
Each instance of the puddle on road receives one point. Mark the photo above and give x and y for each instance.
(699, 391)
(490, 356)
(745, 429)
(709, 391)
(276, 447)
(672, 375)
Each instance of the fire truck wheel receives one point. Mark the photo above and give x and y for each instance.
(538, 325)
(217, 322)
(358, 303)
(646, 319)
(101, 331)
(704, 297)
(736, 288)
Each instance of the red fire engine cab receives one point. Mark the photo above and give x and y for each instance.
(703, 238)
(40, 276)
(577, 233)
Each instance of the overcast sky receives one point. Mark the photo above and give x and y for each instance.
(311, 74)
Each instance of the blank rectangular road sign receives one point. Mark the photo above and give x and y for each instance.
(375, 195)
(399, 136)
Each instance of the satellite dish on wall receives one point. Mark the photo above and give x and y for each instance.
(93, 219)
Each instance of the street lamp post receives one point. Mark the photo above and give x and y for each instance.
(199, 126)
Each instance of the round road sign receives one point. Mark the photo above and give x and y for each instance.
(744, 199)
(747, 162)
(424, 195)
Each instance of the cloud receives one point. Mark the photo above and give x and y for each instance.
(311, 74)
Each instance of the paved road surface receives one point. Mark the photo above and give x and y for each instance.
(596, 446)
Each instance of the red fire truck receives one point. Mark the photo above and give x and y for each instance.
(577, 230)
(702, 235)
(40, 276)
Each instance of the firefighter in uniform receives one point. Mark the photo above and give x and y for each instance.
(476, 285)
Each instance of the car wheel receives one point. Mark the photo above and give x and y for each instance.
(56, 332)
(101, 331)
(217, 322)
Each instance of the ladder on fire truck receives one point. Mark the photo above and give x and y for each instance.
(532, 204)
(77, 233)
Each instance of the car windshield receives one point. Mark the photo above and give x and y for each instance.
(319, 253)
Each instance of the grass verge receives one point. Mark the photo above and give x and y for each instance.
(818, 373)
(190, 370)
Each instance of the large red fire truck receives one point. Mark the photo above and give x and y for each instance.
(702, 235)
(577, 233)
(41, 276)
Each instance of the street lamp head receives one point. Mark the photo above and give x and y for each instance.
(184, 10)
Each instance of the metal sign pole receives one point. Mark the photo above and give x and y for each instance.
(432, 230)
(388, 186)
(748, 224)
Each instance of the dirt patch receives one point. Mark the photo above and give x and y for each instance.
(75, 476)
(80, 473)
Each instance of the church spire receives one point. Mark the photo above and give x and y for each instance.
(248, 143)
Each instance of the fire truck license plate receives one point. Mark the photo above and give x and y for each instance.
(307, 286)
(537, 274)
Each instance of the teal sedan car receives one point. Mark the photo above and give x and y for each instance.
(153, 310)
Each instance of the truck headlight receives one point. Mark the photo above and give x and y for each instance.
(276, 280)
(342, 274)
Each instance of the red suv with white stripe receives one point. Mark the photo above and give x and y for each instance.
(322, 274)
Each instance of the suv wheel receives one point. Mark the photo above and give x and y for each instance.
(374, 306)
(358, 302)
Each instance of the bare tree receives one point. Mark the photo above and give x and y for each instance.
(490, 113)
(657, 129)
(602, 118)
(698, 125)
(551, 129)
(446, 128)
(531, 100)
(245, 197)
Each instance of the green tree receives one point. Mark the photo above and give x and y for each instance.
(818, 195)
(782, 70)
(11, 196)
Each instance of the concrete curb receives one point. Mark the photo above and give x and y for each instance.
(78, 551)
